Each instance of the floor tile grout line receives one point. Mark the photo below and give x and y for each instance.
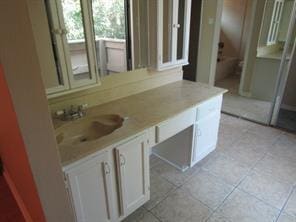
(162, 199)
(171, 191)
(174, 190)
(154, 216)
(252, 169)
(235, 188)
(285, 204)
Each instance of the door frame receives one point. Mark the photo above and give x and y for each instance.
(282, 75)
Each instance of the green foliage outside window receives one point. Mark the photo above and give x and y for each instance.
(108, 19)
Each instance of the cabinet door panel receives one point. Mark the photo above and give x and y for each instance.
(206, 135)
(173, 27)
(90, 186)
(133, 172)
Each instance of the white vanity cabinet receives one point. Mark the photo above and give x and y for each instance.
(107, 187)
(132, 161)
(169, 28)
(206, 128)
(90, 186)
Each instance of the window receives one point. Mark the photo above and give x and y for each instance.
(275, 22)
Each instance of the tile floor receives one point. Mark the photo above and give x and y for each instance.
(249, 108)
(250, 177)
(287, 120)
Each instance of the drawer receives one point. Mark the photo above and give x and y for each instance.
(208, 107)
(175, 125)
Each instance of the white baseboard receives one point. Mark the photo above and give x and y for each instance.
(17, 197)
(245, 94)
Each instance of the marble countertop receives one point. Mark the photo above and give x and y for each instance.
(144, 110)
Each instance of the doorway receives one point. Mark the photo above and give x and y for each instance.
(252, 38)
(190, 70)
(284, 112)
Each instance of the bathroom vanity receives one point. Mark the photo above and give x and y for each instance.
(107, 176)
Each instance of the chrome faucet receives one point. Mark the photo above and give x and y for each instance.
(74, 112)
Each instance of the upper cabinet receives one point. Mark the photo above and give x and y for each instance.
(169, 27)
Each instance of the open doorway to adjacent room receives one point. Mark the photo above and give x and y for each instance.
(252, 38)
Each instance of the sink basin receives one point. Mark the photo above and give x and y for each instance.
(85, 130)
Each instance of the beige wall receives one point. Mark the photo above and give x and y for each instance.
(234, 18)
(18, 55)
(43, 44)
(289, 98)
(209, 37)
(256, 13)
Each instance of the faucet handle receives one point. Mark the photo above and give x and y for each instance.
(83, 106)
(59, 113)
(82, 110)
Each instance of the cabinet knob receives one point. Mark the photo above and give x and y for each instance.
(177, 26)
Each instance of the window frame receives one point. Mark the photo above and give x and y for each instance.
(273, 31)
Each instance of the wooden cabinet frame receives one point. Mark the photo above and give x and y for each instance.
(174, 26)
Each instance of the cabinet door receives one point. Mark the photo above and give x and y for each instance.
(73, 42)
(206, 135)
(173, 32)
(132, 160)
(90, 186)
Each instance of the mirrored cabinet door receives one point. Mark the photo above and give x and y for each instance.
(72, 36)
(77, 49)
(93, 39)
(77, 36)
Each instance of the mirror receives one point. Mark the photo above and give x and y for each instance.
(119, 28)
(274, 28)
(75, 39)
(121, 36)
(96, 38)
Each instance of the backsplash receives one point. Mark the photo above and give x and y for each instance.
(116, 87)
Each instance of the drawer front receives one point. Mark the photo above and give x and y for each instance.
(175, 125)
(208, 107)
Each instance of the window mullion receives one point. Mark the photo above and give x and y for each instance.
(90, 39)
